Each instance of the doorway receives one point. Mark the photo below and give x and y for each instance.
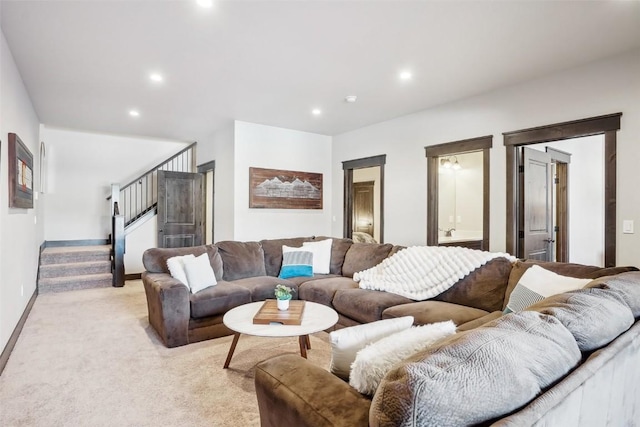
(605, 126)
(180, 209)
(364, 199)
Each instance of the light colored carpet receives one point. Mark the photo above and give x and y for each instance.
(90, 358)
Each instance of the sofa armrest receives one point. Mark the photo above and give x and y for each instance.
(292, 391)
(169, 307)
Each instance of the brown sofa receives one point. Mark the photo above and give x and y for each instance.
(247, 272)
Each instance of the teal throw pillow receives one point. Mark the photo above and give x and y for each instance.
(296, 264)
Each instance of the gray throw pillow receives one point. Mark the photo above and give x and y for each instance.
(477, 375)
(593, 316)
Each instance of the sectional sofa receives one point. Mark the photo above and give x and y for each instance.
(571, 359)
(248, 272)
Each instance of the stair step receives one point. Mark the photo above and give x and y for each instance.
(74, 269)
(71, 283)
(75, 254)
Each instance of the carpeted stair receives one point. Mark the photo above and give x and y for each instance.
(74, 267)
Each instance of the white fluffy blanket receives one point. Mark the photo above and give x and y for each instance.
(422, 272)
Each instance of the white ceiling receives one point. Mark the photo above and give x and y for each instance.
(86, 63)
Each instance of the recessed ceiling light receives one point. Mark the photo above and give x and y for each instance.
(205, 3)
(316, 111)
(134, 113)
(155, 77)
(350, 98)
(405, 75)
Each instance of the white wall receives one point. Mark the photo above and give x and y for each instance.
(81, 168)
(138, 241)
(21, 230)
(599, 88)
(276, 148)
(220, 148)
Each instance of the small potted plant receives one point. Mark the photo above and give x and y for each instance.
(283, 296)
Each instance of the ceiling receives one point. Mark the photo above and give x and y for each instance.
(86, 63)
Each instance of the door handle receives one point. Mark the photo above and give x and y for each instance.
(549, 240)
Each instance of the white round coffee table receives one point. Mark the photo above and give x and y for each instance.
(315, 318)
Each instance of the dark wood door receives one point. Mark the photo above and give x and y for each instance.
(363, 198)
(537, 193)
(180, 209)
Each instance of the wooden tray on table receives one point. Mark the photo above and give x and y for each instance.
(269, 313)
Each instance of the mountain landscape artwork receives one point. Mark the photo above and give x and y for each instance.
(282, 189)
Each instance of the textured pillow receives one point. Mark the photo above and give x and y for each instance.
(627, 285)
(321, 255)
(595, 317)
(346, 342)
(537, 284)
(176, 268)
(296, 262)
(478, 375)
(199, 273)
(375, 360)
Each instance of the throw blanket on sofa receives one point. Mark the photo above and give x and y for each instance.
(422, 272)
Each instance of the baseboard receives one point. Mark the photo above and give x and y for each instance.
(65, 243)
(4, 357)
(135, 276)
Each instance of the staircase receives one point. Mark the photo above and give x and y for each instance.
(74, 267)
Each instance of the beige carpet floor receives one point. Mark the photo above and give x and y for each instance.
(90, 358)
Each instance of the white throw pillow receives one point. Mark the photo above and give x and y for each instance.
(375, 360)
(199, 273)
(346, 342)
(176, 268)
(321, 255)
(537, 284)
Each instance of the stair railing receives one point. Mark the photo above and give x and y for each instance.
(133, 203)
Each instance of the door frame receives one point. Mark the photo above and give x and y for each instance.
(204, 169)
(606, 125)
(348, 167)
(433, 153)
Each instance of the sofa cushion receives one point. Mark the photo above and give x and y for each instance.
(564, 268)
(321, 250)
(175, 264)
(263, 287)
(484, 373)
(627, 285)
(480, 321)
(155, 259)
(537, 284)
(375, 360)
(217, 300)
(339, 249)
(483, 288)
(582, 312)
(425, 312)
(322, 290)
(362, 256)
(346, 342)
(296, 262)
(241, 259)
(272, 249)
(199, 273)
(365, 305)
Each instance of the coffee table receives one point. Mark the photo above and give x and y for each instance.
(315, 318)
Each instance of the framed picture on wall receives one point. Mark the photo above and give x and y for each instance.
(20, 180)
(283, 189)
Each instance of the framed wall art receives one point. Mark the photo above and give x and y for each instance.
(282, 189)
(20, 168)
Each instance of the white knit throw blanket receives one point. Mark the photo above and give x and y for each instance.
(422, 272)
